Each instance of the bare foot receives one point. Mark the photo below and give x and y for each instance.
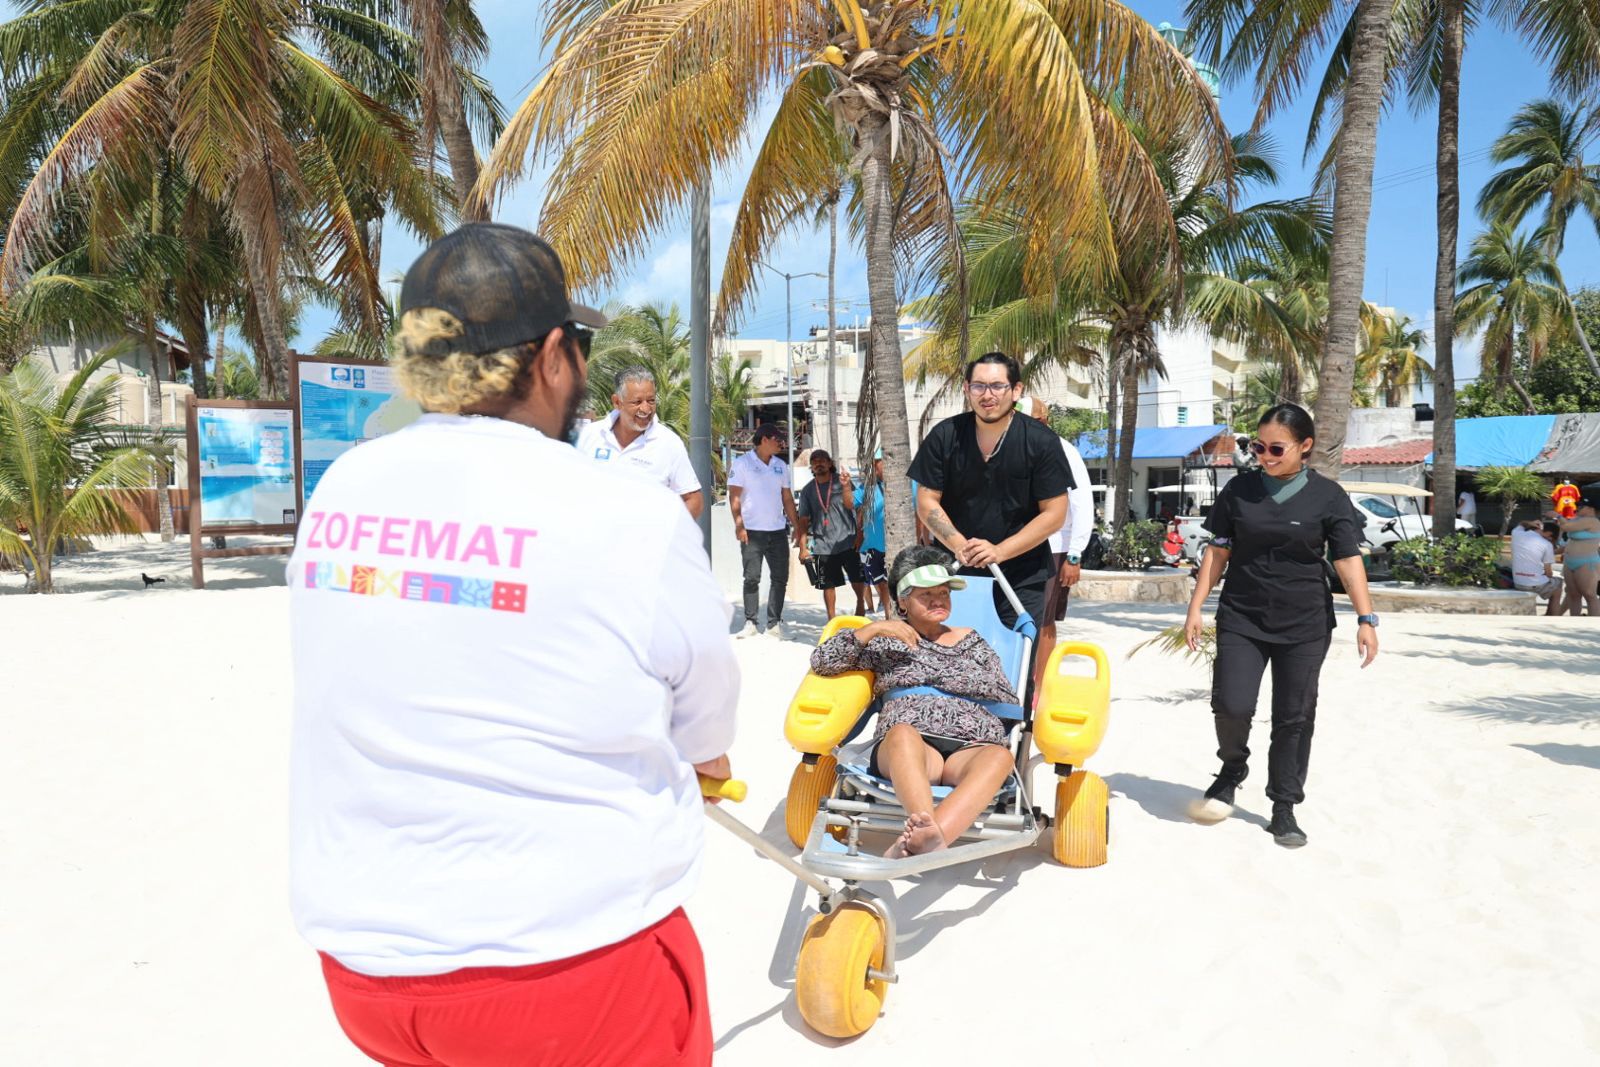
(923, 834)
(900, 849)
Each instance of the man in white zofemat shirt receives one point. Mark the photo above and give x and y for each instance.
(633, 438)
(509, 664)
(1066, 544)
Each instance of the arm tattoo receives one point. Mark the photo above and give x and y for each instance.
(941, 525)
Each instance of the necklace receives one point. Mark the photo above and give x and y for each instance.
(987, 456)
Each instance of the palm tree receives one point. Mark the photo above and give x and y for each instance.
(1389, 357)
(1020, 92)
(65, 474)
(1278, 38)
(1545, 145)
(1512, 290)
(232, 104)
(1509, 485)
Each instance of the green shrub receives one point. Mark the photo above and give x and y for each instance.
(1457, 560)
(1136, 546)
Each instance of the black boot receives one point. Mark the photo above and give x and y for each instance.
(1217, 804)
(1285, 831)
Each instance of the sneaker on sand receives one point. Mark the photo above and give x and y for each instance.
(1217, 804)
(748, 631)
(1285, 831)
(777, 630)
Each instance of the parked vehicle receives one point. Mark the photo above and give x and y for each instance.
(1388, 522)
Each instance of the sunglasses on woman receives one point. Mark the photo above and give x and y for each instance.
(1261, 448)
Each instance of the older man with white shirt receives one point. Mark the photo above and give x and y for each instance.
(634, 438)
(494, 813)
(1066, 546)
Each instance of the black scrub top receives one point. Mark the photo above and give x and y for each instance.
(994, 499)
(1277, 587)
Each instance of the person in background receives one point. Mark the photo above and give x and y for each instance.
(825, 527)
(869, 517)
(762, 505)
(1467, 507)
(634, 438)
(494, 813)
(1066, 546)
(992, 485)
(1533, 561)
(1580, 563)
(1274, 528)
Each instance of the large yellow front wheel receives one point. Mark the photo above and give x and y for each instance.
(836, 996)
(1082, 828)
(809, 786)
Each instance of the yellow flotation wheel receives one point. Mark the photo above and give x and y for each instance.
(809, 786)
(1082, 829)
(835, 994)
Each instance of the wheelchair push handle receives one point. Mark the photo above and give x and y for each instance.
(1005, 587)
(723, 788)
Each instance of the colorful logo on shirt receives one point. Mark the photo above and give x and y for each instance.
(602, 452)
(419, 586)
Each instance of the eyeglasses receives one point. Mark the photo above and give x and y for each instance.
(581, 336)
(992, 388)
(1262, 449)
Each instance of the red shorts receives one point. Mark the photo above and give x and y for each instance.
(639, 1003)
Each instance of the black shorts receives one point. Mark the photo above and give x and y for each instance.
(1056, 595)
(873, 567)
(830, 572)
(945, 746)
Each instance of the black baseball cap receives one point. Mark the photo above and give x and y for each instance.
(506, 286)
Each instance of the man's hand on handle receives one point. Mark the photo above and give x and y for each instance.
(719, 769)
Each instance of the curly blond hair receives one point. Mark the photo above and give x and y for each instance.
(440, 378)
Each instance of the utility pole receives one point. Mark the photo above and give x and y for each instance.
(788, 348)
(700, 354)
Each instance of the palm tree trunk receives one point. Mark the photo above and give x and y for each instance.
(1528, 406)
(192, 325)
(1125, 439)
(1289, 384)
(833, 395)
(1583, 340)
(463, 154)
(888, 375)
(1444, 273)
(1352, 207)
(275, 348)
(1114, 507)
(163, 499)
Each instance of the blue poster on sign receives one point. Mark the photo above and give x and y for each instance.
(246, 460)
(342, 406)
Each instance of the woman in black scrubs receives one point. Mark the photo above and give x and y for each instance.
(1273, 529)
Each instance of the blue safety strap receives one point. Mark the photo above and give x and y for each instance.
(998, 708)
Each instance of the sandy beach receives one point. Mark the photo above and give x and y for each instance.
(1447, 910)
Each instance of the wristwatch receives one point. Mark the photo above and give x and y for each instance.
(1368, 620)
(1074, 558)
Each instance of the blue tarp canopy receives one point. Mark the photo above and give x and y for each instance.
(1506, 441)
(1158, 442)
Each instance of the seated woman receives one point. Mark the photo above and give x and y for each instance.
(924, 739)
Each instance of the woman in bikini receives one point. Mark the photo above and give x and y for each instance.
(1580, 564)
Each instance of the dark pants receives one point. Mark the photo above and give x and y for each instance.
(1236, 682)
(772, 546)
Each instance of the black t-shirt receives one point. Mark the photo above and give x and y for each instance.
(1277, 588)
(995, 499)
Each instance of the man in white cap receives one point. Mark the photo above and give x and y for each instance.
(495, 819)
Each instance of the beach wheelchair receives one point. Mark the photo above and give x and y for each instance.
(846, 960)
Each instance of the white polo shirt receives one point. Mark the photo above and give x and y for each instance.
(506, 659)
(658, 453)
(761, 503)
(1073, 537)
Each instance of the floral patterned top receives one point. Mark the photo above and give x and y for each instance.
(969, 668)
